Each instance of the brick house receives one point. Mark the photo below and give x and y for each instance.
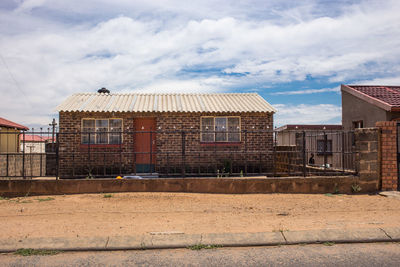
(367, 106)
(364, 105)
(105, 133)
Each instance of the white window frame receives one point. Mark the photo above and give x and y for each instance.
(94, 134)
(214, 131)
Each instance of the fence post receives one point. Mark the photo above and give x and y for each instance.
(7, 164)
(245, 152)
(41, 151)
(57, 155)
(343, 148)
(23, 155)
(324, 151)
(183, 154)
(274, 153)
(120, 153)
(304, 155)
(89, 165)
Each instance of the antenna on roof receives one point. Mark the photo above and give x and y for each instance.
(103, 90)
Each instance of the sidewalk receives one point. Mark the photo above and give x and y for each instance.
(178, 240)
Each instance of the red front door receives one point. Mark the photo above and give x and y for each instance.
(145, 142)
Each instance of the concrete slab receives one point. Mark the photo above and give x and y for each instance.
(128, 242)
(394, 233)
(55, 243)
(391, 194)
(175, 241)
(336, 235)
(246, 239)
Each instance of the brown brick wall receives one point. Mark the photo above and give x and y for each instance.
(204, 158)
(388, 154)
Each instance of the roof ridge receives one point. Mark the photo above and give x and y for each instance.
(140, 93)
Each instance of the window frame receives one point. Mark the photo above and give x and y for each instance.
(214, 133)
(95, 132)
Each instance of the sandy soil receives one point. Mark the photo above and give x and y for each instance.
(137, 213)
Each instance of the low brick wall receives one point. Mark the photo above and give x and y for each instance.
(309, 185)
(34, 165)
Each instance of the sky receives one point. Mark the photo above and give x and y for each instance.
(295, 54)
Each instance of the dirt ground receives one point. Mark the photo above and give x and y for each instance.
(138, 213)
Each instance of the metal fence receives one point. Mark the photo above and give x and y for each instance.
(176, 153)
(27, 154)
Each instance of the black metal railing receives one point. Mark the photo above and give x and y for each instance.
(176, 153)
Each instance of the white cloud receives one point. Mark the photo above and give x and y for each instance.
(307, 114)
(308, 91)
(395, 80)
(56, 48)
(28, 5)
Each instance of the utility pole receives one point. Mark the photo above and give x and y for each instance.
(53, 124)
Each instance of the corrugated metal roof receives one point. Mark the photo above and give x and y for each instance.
(141, 102)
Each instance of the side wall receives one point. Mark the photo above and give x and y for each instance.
(355, 109)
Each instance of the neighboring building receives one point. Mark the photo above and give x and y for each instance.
(212, 122)
(9, 135)
(34, 143)
(364, 105)
(321, 140)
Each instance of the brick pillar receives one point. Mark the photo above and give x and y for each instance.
(388, 154)
(367, 160)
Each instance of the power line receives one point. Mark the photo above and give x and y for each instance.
(15, 81)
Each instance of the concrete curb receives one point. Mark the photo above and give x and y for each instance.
(180, 240)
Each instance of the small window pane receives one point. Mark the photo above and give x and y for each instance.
(88, 130)
(220, 129)
(115, 123)
(115, 131)
(101, 131)
(207, 129)
(233, 130)
(88, 123)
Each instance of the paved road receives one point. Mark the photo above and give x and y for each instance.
(378, 254)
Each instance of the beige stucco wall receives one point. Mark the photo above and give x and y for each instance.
(9, 140)
(33, 147)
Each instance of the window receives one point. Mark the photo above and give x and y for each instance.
(220, 129)
(102, 131)
(321, 145)
(358, 124)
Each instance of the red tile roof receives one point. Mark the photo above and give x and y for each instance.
(386, 97)
(33, 138)
(10, 124)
